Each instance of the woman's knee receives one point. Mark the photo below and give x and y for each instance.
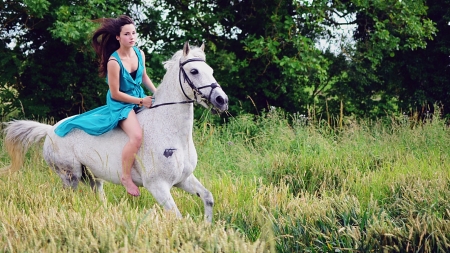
(136, 139)
(132, 128)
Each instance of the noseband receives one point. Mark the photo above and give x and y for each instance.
(191, 84)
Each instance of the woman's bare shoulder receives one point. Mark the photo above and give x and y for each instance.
(113, 64)
(142, 54)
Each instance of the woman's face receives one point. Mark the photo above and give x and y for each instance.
(127, 37)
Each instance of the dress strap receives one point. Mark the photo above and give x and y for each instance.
(138, 54)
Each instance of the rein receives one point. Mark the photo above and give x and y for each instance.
(172, 103)
(191, 84)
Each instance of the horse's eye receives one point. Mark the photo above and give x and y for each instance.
(194, 71)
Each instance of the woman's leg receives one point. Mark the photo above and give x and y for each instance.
(132, 128)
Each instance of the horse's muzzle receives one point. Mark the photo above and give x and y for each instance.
(219, 100)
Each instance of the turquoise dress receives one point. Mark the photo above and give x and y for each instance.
(103, 119)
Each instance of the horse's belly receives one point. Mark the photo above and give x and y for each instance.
(105, 162)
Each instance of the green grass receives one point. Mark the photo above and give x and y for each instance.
(279, 184)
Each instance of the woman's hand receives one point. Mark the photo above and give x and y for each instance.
(147, 101)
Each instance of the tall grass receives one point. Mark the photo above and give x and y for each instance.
(371, 186)
(280, 184)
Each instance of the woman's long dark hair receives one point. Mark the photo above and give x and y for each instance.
(104, 40)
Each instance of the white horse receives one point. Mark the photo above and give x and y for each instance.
(167, 156)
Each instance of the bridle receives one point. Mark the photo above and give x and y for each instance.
(195, 89)
(191, 84)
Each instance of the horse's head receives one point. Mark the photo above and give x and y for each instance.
(199, 76)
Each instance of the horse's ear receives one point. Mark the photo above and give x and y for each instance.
(202, 47)
(186, 48)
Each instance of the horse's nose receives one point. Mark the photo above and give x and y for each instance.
(221, 100)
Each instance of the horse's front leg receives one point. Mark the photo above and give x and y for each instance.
(193, 186)
(161, 192)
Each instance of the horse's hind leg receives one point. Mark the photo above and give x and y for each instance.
(69, 176)
(96, 184)
(193, 186)
(67, 169)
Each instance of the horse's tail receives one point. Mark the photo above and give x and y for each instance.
(19, 136)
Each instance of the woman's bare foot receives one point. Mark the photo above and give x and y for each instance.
(132, 189)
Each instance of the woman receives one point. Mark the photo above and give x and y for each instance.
(123, 65)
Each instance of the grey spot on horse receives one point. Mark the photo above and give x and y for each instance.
(169, 152)
(209, 203)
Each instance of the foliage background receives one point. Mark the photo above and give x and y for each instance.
(264, 53)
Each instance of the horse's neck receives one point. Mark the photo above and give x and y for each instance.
(169, 90)
(170, 99)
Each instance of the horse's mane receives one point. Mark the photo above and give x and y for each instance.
(194, 52)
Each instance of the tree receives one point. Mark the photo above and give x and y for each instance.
(260, 52)
(264, 53)
(47, 58)
(420, 78)
(384, 29)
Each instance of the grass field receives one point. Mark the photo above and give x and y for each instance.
(280, 184)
